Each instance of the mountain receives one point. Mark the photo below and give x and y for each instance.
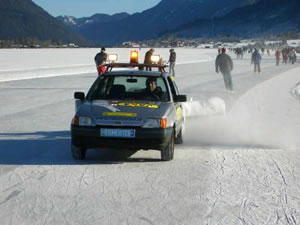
(264, 18)
(23, 19)
(168, 14)
(77, 23)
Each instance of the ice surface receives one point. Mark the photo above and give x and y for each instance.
(239, 163)
(296, 91)
(19, 64)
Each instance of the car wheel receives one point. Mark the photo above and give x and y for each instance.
(179, 138)
(78, 153)
(167, 153)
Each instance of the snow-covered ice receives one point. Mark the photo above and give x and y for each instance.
(19, 64)
(239, 163)
(296, 91)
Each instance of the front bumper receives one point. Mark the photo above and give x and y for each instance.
(145, 138)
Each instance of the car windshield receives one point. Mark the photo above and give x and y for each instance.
(123, 87)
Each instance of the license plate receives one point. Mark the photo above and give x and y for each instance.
(120, 133)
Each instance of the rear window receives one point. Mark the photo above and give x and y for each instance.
(123, 87)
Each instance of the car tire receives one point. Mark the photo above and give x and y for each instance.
(78, 153)
(179, 138)
(167, 153)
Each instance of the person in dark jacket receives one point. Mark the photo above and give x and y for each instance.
(172, 61)
(153, 91)
(225, 65)
(100, 60)
(256, 59)
(148, 59)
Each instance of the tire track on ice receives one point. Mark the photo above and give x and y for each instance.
(218, 165)
(287, 211)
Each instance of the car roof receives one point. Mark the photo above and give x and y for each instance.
(114, 69)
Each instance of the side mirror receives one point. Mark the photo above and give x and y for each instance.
(79, 95)
(180, 98)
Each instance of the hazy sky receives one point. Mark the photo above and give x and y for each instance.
(81, 8)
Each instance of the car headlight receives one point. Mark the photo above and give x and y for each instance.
(85, 121)
(82, 121)
(151, 123)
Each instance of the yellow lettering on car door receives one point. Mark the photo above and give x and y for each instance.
(178, 113)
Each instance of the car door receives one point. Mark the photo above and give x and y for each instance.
(178, 105)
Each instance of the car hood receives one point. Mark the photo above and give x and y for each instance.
(126, 113)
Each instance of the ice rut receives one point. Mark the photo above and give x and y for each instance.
(20, 74)
(219, 186)
(250, 188)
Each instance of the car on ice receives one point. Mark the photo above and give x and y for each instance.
(129, 109)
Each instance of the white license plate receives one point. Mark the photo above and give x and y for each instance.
(121, 133)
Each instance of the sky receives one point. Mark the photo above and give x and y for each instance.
(80, 8)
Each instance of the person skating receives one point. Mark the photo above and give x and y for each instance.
(225, 65)
(172, 61)
(100, 60)
(277, 56)
(284, 56)
(256, 60)
(292, 56)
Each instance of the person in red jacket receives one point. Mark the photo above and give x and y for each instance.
(100, 60)
(277, 56)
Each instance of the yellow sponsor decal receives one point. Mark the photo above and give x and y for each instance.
(179, 113)
(127, 114)
(143, 105)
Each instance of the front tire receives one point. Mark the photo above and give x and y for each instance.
(179, 138)
(167, 153)
(78, 153)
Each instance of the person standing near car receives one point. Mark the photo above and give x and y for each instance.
(256, 59)
(225, 65)
(277, 56)
(100, 60)
(148, 60)
(172, 61)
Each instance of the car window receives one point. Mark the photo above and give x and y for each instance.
(128, 87)
(173, 86)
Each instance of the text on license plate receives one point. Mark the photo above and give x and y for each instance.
(121, 133)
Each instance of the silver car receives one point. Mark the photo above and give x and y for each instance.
(129, 109)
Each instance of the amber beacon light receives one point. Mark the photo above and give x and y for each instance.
(134, 57)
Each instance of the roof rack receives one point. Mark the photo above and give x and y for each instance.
(111, 66)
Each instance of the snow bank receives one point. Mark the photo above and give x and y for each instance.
(267, 115)
(296, 91)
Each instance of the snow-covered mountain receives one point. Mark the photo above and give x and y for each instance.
(68, 20)
(168, 14)
(77, 23)
(184, 18)
(23, 19)
(265, 18)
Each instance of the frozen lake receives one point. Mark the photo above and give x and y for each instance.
(238, 167)
(19, 64)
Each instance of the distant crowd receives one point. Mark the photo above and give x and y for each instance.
(286, 54)
(225, 65)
